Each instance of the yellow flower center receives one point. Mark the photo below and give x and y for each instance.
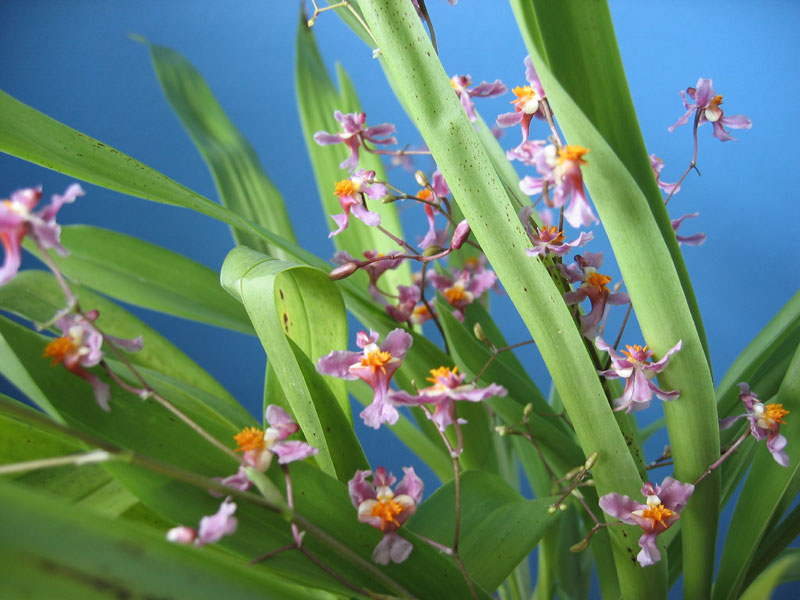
(250, 438)
(775, 412)
(715, 101)
(424, 194)
(553, 232)
(421, 313)
(658, 513)
(386, 511)
(345, 187)
(635, 349)
(598, 279)
(377, 360)
(471, 263)
(574, 153)
(443, 372)
(58, 349)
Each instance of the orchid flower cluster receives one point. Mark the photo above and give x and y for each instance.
(431, 366)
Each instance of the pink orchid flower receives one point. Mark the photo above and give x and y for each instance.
(81, 345)
(212, 528)
(386, 510)
(549, 239)
(464, 289)
(658, 165)
(528, 103)
(638, 373)
(374, 365)
(448, 386)
(484, 89)
(706, 104)
(696, 239)
(661, 509)
(352, 193)
(17, 220)
(765, 423)
(593, 286)
(354, 136)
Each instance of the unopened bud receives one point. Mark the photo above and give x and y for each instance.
(432, 250)
(572, 473)
(421, 179)
(345, 270)
(181, 535)
(589, 483)
(667, 452)
(527, 411)
(376, 53)
(577, 493)
(580, 546)
(501, 430)
(552, 509)
(389, 199)
(460, 235)
(591, 461)
(92, 315)
(563, 507)
(478, 331)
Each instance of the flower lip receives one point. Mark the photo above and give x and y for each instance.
(572, 152)
(250, 438)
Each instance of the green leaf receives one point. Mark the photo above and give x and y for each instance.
(14, 370)
(417, 75)
(299, 316)
(52, 550)
(143, 274)
(317, 99)
(242, 184)
(34, 295)
(581, 71)
(499, 527)
(785, 569)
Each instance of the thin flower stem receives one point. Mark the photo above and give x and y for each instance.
(427, 18)
(317, 561)
(530, 437)
(72, 300)
(440, 547)
(343, 4)
(716, 464)
(296, 535)
(548, 115)
(621, 329)
(494, 355)
(395, 152)
(397, 240)
(84, 458)
(430, 309)
(657, 464)
(692, 164)
(148, 392)
(272, 553)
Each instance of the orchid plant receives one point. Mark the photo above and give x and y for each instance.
(140, 440)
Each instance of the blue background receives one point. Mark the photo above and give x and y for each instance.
(73, 61)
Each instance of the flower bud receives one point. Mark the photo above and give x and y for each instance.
(563, 507)
(181, 535)
(591, 461)
(501, 430)
(552, 509)
(527, 411)
(580, 546)
(460, 235)
(421, 179)
(345, 270)
(478, 331)
(432, 250)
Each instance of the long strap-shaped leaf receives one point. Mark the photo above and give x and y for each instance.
(636, 230)
(409, 60)
(317, 99)
(242, 184)
(299, 315)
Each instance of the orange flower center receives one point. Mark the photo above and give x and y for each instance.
(775, 412)
(715, 101)
(574, 153)
(421, 312)
(424, 194)
(443, 372)
(58, 349)
(387, 511)
(455, 294)
(552, 232)
(345, 187)
(377, 360)
(632, 350)
(598, 280)
(658, 513)
(524, 93)
(471, 263)
(250, 438)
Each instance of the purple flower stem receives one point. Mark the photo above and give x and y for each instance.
(621, 330)
(395, 152)
(427, 18)
(271, 553)
(715, 465)
(656, 465)
(495, 352)
(548, 115)
(692, 164)
(455, 453)
(427, 305)
(397, 240)
(440, 547)
(149, 392)
(298, 538)
(72, 300)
